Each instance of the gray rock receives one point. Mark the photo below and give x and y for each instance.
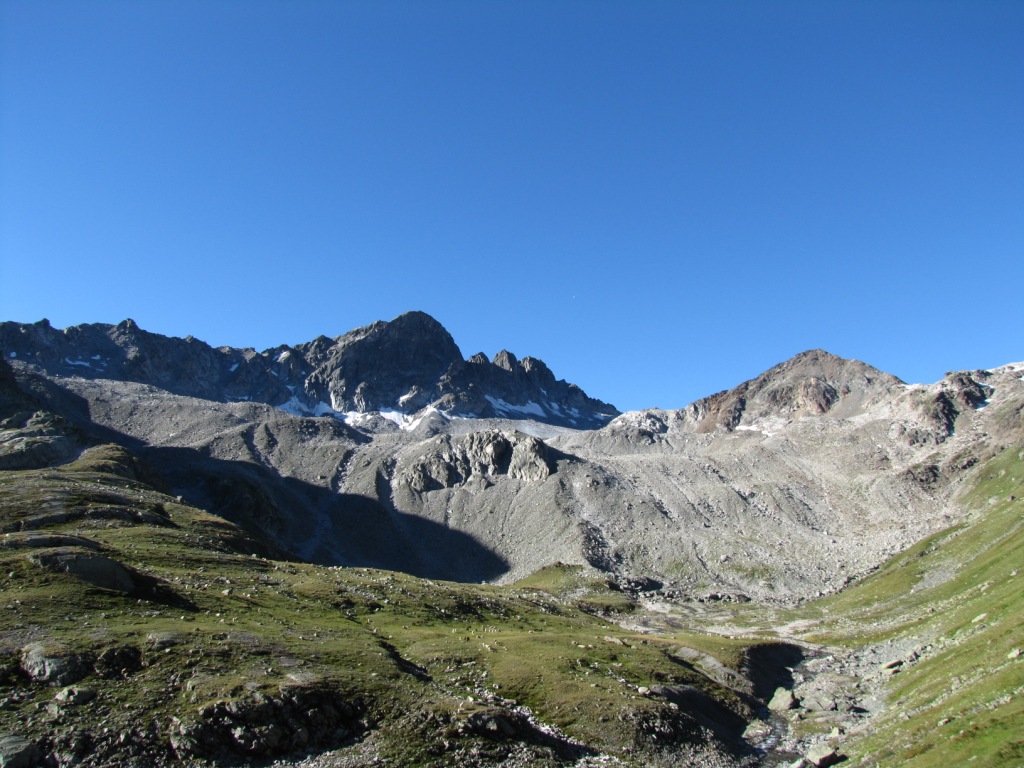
(782, 701)
(822, 756)
(75, 695)
(163, 640)
(53, 666)
(98, 570)
(818, 702)
(33, 540)
(16, 752)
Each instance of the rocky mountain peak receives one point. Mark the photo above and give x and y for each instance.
(403, 365)
(810, 383)
(505, 360)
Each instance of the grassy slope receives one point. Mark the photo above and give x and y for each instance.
(422, 658)
(961, 592)
(419, 657)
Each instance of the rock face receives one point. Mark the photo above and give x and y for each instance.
(483, 456)
(404, 366)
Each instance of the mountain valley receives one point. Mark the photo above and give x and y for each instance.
(370, 550)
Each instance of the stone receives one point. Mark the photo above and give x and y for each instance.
(163, 640)
(17, 752)
(822, 756)
(98, 570)
(75, 695)
(782, 701)
(54, 666)
(818, 702)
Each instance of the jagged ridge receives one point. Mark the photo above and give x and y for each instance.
(403, 366)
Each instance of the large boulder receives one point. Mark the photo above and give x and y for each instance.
(53, 665)
(98, 570)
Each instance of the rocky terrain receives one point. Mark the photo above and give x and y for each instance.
(785, 487)
(274, 553)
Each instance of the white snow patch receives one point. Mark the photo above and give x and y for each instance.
(406, 397)
(323, 409)
(394, 416)
(233, 368)
(69, 361)
(404, 421)
(355, 418)
(283, 356)
(529, 407)
(96, 357)
(294, 407)
(13, 355)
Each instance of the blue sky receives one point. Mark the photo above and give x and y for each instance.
(658, 199)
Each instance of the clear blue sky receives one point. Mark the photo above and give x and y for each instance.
(659, 199)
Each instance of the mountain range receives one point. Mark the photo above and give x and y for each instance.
(386, 449)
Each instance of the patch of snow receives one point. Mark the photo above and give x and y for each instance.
(397, 417)
(504, 407)
(355, 418)
(294, 407)
(233, 368)
(323, 409)
(69, 361)
(404, 421)
(983, 404)
(13, 355)
(283, 356)
(96, 357)
(406, 397)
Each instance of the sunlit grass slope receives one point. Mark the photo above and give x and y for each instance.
(958, 596)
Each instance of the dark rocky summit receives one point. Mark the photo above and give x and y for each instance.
(404, 365)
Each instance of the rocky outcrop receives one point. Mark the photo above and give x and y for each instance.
(53, 665)
(260, 725)
(92, 568)
(449, 463)
(30, 436)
